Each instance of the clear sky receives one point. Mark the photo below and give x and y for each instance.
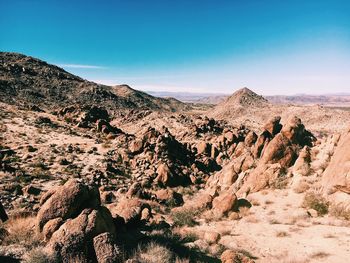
(272, 47)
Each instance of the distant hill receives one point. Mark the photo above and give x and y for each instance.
(244, 97)
(239, 103)
(26, 80)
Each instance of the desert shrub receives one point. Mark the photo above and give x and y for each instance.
(184, 217)
(282, 234)
(38, 255)
(41, 174)
(316, 202)
(301, 187)
(340, 211)
(40, 165)
(21, 230)
(153, 253)
(280, 182)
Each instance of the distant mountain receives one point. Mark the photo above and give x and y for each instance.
(244, 97)
(239, 103)
(26, 80)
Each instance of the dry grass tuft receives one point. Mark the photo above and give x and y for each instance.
(153, 253)
(340, 211)
(274, 221)
(244, 211)
(282, 234)
(38, 255)
(184, 217)
(21, 230)
(302, 187)
(319, 255)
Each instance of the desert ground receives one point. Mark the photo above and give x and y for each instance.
(110, 174)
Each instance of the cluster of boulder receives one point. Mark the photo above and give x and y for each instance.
(78, 228)
(259, 160)
(89, 117)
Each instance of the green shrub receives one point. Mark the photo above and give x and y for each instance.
(184, 217)
(316, 202)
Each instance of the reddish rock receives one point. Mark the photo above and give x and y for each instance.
(224, 203)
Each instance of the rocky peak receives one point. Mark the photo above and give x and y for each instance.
(245, 97)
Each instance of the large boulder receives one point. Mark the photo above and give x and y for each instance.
(230, 256)
(295, 131)
(106, 249)
(336, 177)
(302, 164)
(259, 178)
(136, 146)
(224, 178)
(131, 210)
(261, 143)
(67, 202)
(224, 203)
(250, 139)
(74, 240)
(279, 150)
(204, 148)
(273, 126)
(164, 175)
(169, 197)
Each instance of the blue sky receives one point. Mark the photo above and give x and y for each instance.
(272, 47)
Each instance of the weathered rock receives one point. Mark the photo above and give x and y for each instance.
(230, 256)
(204, 148)
(169, 197)
(224, 203)
(51, 226)
(250, 139)
(279, 150)
(67, 202)
(94, 113)
(106, 249)
(129, 209)
(164, 175)
(73, 241)
(211, 237)
(336, 176)
(136, 146)
(295, 131)
(261, 143)
(224, 178)
(259, 178)
(301, 166)
(273, 126)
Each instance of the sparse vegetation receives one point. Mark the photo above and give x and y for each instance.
(21, 230)
(340, 211)
(280, 182)
(38, 255)
(316, 202)
(301, 187)
(153, 253)
(184, 217)
(319, 255)
(282, 234)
